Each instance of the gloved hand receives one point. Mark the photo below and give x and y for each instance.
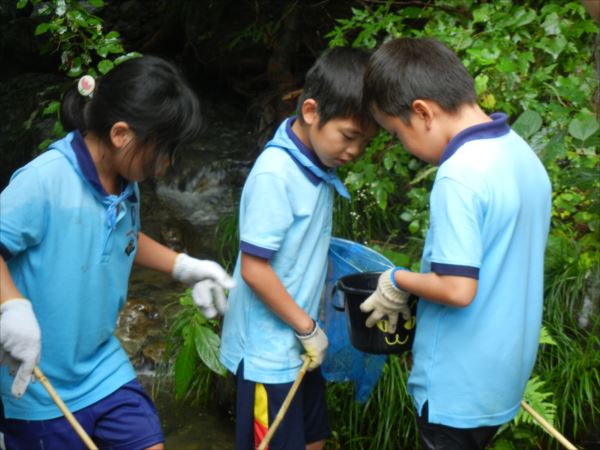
(208, 280)
(387, 300)
(20, 340)
(315, 343)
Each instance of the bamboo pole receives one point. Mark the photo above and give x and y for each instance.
(61, 405)
(284, 407)
(546, 426)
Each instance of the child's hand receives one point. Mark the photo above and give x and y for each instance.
(208, 280)
(315, 344)
(387, 300)
(20, 341)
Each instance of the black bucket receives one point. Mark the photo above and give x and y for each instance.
(354, 290)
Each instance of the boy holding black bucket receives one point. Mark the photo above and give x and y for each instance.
(285, 229)
(481, 280)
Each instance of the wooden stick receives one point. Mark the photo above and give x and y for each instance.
(546, 426)
(284, 407)
(61, 405)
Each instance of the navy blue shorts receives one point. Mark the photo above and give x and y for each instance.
(257, 405)
(124, 420)
(441, 437)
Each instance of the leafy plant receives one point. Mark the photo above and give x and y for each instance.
(192, 352)
(374, 424)
(226, 238)
(85, 48)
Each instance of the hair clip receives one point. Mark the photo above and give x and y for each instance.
(86, 85)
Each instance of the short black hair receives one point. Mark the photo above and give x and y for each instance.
(335, 82)
(148, 93)
(407, 69)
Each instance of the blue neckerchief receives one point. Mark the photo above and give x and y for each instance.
(299, 153)
(327, 176)
(78, 154)
(113, 201)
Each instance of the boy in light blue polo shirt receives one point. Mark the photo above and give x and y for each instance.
(285, 228)
(481, 280)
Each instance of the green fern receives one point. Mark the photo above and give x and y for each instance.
(545, 337)
(537, 399)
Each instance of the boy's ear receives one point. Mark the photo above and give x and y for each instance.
(423, 111)
(309, 110)
(121, 135)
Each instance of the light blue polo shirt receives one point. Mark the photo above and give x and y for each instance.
(490, 214)
(69, 248)
(285, 217)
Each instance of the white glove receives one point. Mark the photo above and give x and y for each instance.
(20, 340)
(315, 343)
(387, 300)
(208, 280)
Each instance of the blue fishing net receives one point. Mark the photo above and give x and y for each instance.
(343, 362)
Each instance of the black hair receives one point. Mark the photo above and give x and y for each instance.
(149, 94)
(407, 69)
(335, 82)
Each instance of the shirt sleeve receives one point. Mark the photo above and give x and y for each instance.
(455, 220)
(23, 212)
(265, 215)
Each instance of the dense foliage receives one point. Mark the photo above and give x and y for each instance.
(532, 60)
(84, 46)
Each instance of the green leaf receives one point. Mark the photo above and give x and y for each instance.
(112, 35)
(502, 444)
(551, 24)
(545, 337)
(381, 196)
(184, 368)
(413, 227)
(553, 46)
(506, 65)
(482, 14)
(96, 3)
(75, 68)
(207, 346)
(103, 51)
(555, 148)
(488, 101)
(388, 160)
(51, 108)
(21, 4)
(523, 17)
(407, 216)
(127, 57)
(527, 124)
(423, 174)
(481, 83)
(58, 129)
(45, 143)
(583, 126)
(61, 8)
(105, 66)
(42, 28)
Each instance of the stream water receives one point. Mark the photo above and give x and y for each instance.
(182, 211)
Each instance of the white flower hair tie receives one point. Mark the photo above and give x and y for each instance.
(86, 85)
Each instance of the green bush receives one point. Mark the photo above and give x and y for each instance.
(84, 46)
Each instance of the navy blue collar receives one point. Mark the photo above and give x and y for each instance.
(487, 130)
(310, 154)
(87, 166)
